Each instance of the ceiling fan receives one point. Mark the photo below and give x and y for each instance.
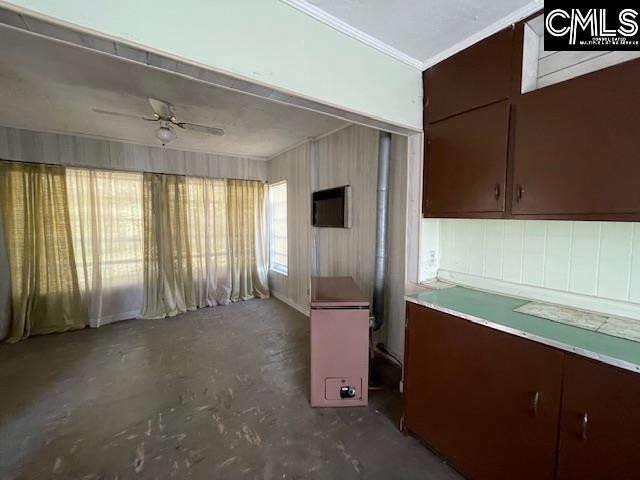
(163, 112)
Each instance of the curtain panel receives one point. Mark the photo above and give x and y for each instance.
(5, 285)
(105, 209)
(208, 236)
(168, 272)
(45, 293)
(248, 244)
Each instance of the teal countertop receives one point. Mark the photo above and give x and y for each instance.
(496, 311)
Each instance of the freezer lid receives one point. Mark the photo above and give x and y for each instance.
(336, 292)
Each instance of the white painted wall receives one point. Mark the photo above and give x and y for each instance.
(265, 41)
(590, 265)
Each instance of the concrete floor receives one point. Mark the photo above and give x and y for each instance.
(220, 393)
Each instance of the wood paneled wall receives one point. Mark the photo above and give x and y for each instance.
(347, 157)
(40, 147)
(293, 166)
(350, 157)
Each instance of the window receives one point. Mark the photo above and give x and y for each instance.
(278, 253)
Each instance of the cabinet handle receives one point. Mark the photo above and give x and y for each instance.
(519, 192)
(496, 191)
(585, 423)
(536, 403)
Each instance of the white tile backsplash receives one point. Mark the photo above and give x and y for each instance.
(598, 259)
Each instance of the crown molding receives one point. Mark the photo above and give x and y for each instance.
(343, 27)
(353, 32)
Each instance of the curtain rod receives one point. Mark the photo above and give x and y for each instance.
(111, 169)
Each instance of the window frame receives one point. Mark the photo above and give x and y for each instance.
(276, 266)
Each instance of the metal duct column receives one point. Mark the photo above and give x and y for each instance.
(382, 221)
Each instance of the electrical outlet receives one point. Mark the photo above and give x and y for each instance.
(432, 259)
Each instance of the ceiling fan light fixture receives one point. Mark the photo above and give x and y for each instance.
(164, 114)
(165, 134)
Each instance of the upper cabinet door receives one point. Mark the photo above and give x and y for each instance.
(476, 76)
(576, 146)
(600, 420)
(466, 162)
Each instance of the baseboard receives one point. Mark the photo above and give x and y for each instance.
(604, 306)
(291, 303)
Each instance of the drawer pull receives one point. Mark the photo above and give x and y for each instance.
(536, 404)
(496, 191)
(519, 192)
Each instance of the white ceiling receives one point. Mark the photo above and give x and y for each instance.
(418, 32)
(49, 86)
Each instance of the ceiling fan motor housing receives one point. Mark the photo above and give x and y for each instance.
(165, 133)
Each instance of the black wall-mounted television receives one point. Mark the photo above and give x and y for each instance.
(330, 208)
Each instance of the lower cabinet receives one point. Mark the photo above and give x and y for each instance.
(600, 422)
(487, 401)
(497, 406)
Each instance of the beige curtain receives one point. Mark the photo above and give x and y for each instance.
(105, 208)
(5, 286)
(207, 205)
(45, 295)
(247, 219)
(168, 277)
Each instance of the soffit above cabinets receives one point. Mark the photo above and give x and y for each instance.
(418, 32)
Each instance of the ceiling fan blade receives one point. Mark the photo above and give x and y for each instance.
(161, 108)
(119, 114)
(201, 128)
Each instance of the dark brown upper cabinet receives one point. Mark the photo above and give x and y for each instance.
(571, 147)
(466, 163)
(599, 422)
(576, 147)
(476, 76)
